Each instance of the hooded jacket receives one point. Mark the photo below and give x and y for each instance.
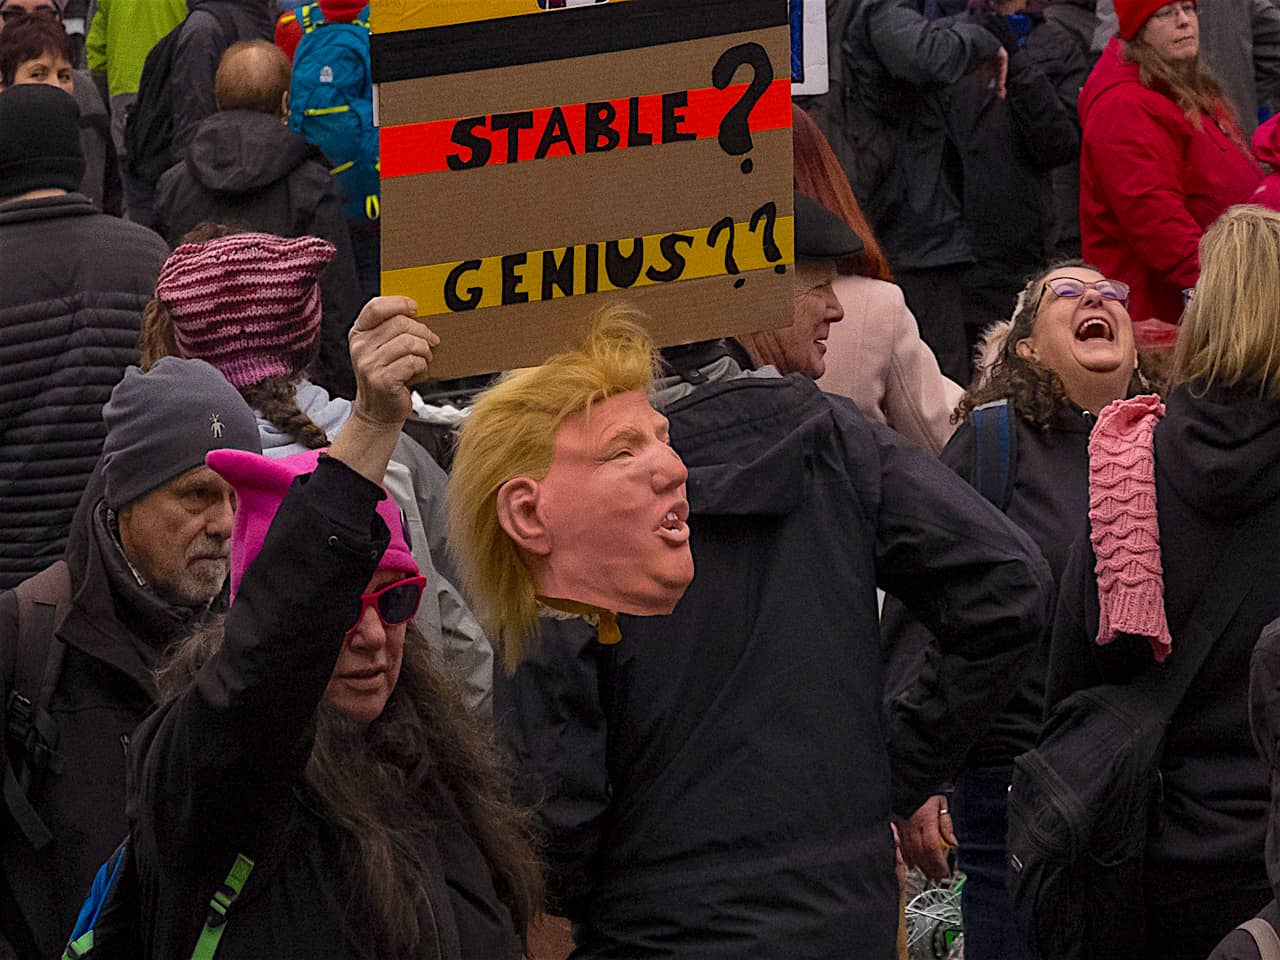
(249, 168)
(73, 283)
(717, 785)
(195, 58)
(115, 633)
(1151, 184)
(1217, 455)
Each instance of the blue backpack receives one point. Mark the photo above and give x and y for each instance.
(331, 104)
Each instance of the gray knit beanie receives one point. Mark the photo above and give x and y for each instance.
(161, 423)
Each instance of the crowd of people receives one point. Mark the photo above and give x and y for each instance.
(1009, 469)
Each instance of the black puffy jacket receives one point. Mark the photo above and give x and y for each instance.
(73, 283)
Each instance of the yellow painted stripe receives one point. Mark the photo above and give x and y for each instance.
(484, 278)
(345, 166)
(424, 14)
(322, 111)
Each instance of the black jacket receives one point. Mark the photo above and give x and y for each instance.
(718, 782)
(1217, 466)
(891, 130)
(114, 633)
(1009, 148)
(195, 59)
(250, 169)
(219, 770)
(73, 283)
(1050, 501)
(1058, 45)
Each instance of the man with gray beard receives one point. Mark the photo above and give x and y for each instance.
(147, 559)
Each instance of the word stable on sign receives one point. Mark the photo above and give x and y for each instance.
(566, 131)
(538, 168)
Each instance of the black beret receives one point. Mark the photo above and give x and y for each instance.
(820, 234)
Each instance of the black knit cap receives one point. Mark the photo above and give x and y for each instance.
(39, 140)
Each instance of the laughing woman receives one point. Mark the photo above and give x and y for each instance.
(1067, 353)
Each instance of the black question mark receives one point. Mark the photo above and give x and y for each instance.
(735, 129)
(769, 213)
(713, 239)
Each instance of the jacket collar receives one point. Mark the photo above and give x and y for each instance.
(47, 208)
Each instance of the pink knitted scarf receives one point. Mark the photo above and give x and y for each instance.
(1123, 526)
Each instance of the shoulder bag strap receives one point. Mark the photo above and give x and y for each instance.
(1264, 935)
(34, 670)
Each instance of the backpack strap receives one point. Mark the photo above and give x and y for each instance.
(1264, 935)
(994, 452)
(216, 920)
(309, 17)
(32, 673)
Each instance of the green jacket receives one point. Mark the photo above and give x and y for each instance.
(123, 33)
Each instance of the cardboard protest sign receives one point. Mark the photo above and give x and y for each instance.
(544, 158)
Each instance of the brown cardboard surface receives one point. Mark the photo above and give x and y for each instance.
(515, 219)
(567, 200)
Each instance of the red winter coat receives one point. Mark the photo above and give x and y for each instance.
(1151, 184)
(1266, 148)
(289, 34)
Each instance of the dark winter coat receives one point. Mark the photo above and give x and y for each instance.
(1050, 501)
(250, 169)
(219, 771)
(1151, 184)
(1059, 45)
(1009, 148)
(891, 132)
(200, 47)
(718, 782)
(1217, 467)
(115, 633)
(73, 283)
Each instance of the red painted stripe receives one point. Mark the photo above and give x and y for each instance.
(417, 148)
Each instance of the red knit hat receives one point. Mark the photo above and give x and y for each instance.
(249, 303)
(1133, 15)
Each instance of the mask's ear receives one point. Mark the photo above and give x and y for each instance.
(520, 517)
(1026, 349)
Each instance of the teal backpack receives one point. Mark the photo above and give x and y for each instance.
(331, 104)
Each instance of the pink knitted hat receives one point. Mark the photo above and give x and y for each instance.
(261, 484)
(1123, 524)
(249, 303)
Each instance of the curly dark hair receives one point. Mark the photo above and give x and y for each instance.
(1036, 390)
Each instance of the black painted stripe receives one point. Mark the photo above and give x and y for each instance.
(564, 34)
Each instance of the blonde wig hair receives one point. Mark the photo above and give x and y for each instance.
(1231, 328)
(511, 432)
